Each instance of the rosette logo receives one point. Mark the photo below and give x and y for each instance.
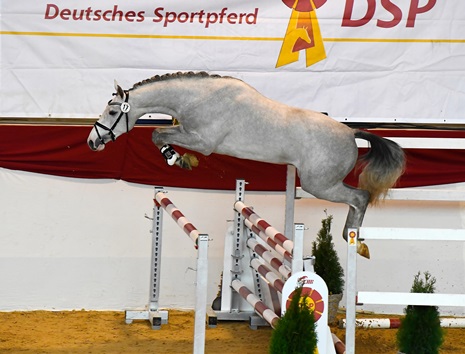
(302, 34)
(303, 31)
(352, 236)
(313, 299)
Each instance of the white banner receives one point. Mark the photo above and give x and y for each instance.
(358, 60)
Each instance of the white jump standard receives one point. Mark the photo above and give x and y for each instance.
(153, 313)
(241, 248)
(355, 297)
(281, 276)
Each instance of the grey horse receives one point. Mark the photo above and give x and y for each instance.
(226, 116)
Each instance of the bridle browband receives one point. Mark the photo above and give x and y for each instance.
(125, 108)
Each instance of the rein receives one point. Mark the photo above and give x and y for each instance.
(125, 108)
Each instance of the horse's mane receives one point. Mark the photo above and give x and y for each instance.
(178, 75)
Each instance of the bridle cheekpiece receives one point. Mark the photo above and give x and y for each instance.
(125, 107)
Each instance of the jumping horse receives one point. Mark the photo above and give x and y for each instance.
(226, 116)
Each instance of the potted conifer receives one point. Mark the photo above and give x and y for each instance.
(420, 330)
(328, 266)
(295, 332)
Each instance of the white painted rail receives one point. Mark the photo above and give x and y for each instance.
(419, 194)
(419, 299)
(422, 143)
(411, 234)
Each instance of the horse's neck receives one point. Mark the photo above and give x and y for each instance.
(147, 100)
(170, 97)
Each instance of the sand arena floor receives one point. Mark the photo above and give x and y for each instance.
(79, 332)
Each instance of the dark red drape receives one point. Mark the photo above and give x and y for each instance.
(62, 151)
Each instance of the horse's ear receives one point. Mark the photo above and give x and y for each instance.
(119, 90)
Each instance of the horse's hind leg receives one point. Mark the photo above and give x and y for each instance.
(354, 220)
(357, 199)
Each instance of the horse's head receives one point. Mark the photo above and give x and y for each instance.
(111, 123)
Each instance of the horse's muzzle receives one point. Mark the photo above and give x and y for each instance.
(96, 146)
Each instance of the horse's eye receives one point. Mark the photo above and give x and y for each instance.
(112, 113)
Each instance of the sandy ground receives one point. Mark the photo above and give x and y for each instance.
(106, 332)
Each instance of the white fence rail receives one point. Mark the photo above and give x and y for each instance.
(392, 298)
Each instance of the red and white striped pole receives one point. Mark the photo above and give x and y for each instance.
(162, 201)
(268, 274)
(264, 311)
(286, 255)
(387, 323)
(262, 225)
(338, 345)
(381, 323)
(269, 257)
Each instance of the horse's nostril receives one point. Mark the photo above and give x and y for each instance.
(91, 145)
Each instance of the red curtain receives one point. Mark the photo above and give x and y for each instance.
(62, 151)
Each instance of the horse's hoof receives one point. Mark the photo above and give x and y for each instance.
(187, 161)
(193, 160)
(190, 160)
(184, 163)
(362, 249)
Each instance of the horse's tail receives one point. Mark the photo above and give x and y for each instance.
(381, 166)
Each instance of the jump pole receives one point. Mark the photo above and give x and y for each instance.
(388, 323)
(287, 256)
(154, 315)
(263, 226)
(269, 231)
(269, 257)
(268, 274)
(177, 216)
(257, 304)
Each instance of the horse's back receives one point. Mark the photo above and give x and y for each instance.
(286, 134)
(242, 122)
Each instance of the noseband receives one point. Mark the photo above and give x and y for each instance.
(125, 108)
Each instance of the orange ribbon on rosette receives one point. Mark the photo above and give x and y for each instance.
(303, 33)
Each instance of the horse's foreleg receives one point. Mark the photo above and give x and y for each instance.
(178, 136)
(163, 137)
